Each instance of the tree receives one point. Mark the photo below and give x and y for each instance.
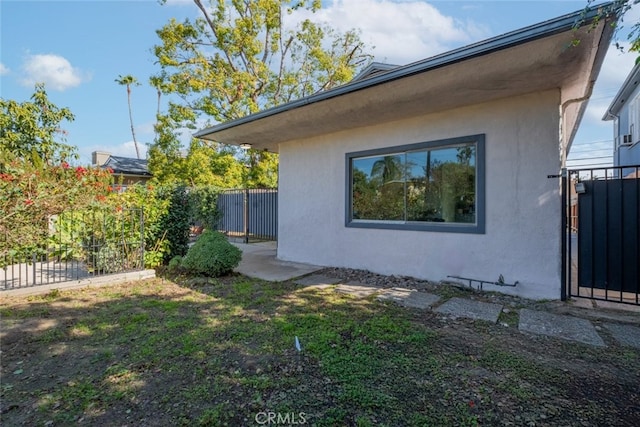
(387, 169)
(620, 8)
(238, 57)
(32, 130)
(624, 6)
(36, 181)
(127, 81)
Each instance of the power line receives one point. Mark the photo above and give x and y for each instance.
(588, 165)
(590, 158)
(601, 141)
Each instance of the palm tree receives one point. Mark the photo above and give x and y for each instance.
(127, 81)
(387, 169)
(157, 83)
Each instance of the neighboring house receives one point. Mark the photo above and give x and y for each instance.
(126, 170)
(441, 167)
(625, 113)
(373, 69)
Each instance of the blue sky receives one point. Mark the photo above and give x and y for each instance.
(78, 48)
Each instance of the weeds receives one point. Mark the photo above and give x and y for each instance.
(219, 353)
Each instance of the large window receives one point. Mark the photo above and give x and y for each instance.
(433, 186)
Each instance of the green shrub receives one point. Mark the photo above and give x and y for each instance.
(212, 255)
(204, 206)
(110, 259)
(175, 263)
(175, 223)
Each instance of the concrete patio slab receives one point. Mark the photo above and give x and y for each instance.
(560, 326)
(471, 309)
(358, 290)
(409, 298)
(628, 335)
(259, 261)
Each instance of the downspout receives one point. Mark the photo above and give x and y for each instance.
(616, 139)
(563, 109)
(565, 182)
(616, 136)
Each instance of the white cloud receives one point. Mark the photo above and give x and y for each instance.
(55, 71)
(3, 69)
(147, 128)
(400, 33)
(615, 69)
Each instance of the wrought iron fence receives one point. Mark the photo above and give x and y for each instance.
(249, 214)
(77, 245)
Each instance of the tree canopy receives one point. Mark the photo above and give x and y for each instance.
(241, 56)
(634, 32)
(32, 129)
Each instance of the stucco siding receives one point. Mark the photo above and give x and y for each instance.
(523, 217)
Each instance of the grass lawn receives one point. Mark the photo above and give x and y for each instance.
(222, 352)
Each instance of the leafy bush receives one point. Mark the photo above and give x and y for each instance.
(204, 205)
(175, 263)
(212, 255)
(175, 224)
(110, 259)
(155, 207)
(32, 193)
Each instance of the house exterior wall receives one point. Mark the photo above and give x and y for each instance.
(129, 180)
(98, 158)
(523, 218)
(628, 123)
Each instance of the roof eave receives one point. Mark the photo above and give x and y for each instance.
(530, 33)
(625, 91)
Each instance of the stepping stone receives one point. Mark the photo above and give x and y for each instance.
(358, 290)
(628, 335)
(472, 309)
(409, 298)
(560, 326)
(317, 281)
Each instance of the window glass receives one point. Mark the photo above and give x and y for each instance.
(441, 185)
(378, 188)
(426, 183)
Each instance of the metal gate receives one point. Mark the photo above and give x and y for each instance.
(249, 214)
(602, 234)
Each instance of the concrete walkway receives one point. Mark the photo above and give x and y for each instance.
(259, 261)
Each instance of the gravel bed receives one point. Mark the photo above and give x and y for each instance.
(383, 281)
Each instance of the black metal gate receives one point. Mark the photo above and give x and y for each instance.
(249, 214)
(602, 229)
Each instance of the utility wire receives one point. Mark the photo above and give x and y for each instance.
(590, 158)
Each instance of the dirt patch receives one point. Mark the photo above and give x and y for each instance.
(221, 352)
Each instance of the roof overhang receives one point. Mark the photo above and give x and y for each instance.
(626, 90)
(537, 58)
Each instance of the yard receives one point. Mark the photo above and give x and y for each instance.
(216, 352)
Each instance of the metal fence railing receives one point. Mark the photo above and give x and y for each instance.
(249, 214)
(76, 245)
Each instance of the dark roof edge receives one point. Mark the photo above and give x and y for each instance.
(374, 67)
(513, 38)
(625, 91)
